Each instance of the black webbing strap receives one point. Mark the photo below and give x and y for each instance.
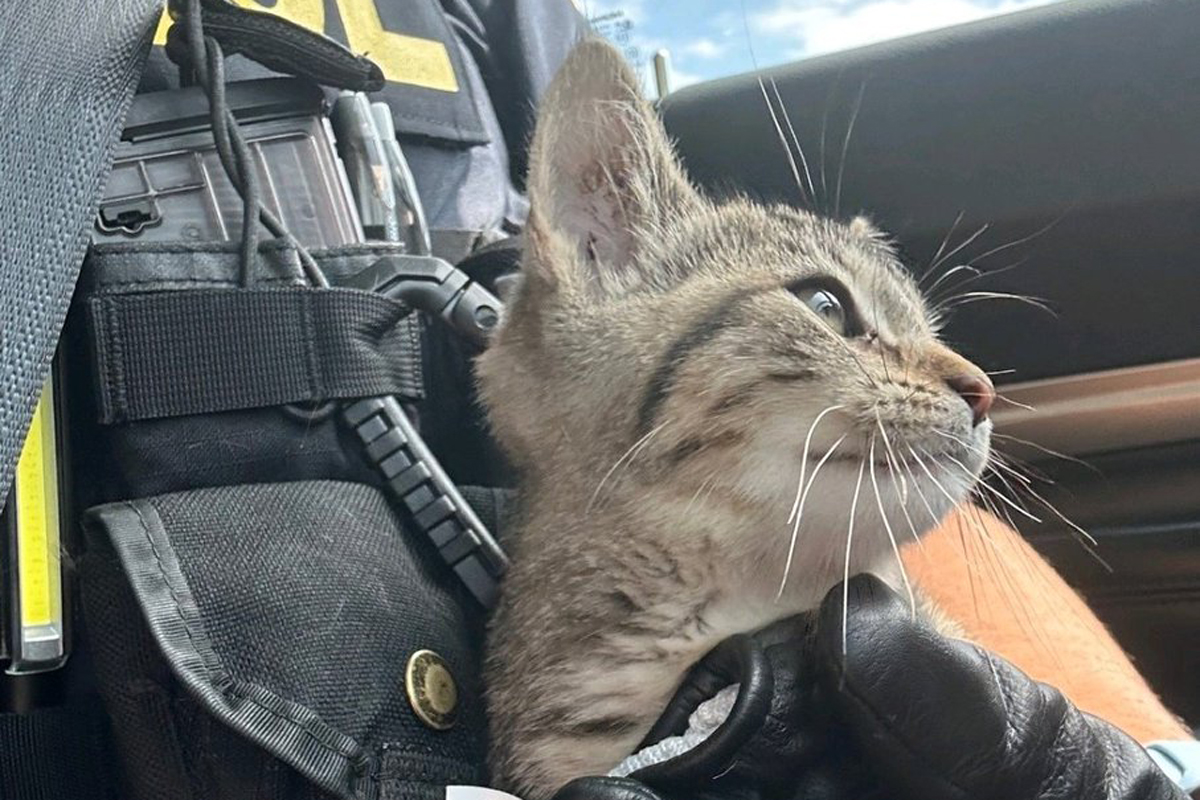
(56, 753)
(169, 354)
(276, 43)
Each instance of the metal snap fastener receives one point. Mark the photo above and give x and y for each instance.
(431, 690)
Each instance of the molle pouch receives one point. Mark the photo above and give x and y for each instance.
(262, 621)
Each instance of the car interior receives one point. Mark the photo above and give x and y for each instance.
(1051, 155)
(1038, 172)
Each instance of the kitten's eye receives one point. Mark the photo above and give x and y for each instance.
(826, 306)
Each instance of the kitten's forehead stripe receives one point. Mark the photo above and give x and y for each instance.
(702, 332)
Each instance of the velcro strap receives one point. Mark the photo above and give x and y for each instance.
(276, 43)
(168, 354)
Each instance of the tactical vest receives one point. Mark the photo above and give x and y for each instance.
(267, 589)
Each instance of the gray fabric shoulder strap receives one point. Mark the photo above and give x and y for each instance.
(70, 68)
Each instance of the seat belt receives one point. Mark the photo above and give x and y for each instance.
(71, 68)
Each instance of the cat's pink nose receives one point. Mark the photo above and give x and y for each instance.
(977, 390)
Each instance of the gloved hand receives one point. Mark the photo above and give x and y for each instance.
(938, 718)
(903, 713)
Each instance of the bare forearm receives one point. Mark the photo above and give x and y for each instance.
(984, 576)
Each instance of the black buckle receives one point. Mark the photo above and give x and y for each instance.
(413, 477)
(435, 287)
(416, 481)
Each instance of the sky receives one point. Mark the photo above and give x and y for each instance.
(713, 38)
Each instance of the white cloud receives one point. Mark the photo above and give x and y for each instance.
(822, 26)
(679, 79)
(728, 24)
(703, 48)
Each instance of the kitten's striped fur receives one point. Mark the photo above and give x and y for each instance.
(656, 383)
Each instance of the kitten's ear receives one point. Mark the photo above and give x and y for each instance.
(602, 174)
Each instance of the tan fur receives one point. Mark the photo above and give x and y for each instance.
(655, 382)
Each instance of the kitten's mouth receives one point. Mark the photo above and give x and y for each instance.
(892, 462)
(854, 459)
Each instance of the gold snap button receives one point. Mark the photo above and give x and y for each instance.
(431, 690)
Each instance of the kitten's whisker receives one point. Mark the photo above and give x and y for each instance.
(996, 461)
(964, 243)
(1088, 542)
(887, 526)
(804, 458)
(941, 248)
(900, 470)
(993, 459)
(935, 481)
(981, 296)
(1041, 231)
(962, 540)
(891, 454)
(1022, 467)
(1005, 399)
(933, 518)
(1012, 490)
(946, 275)
(837, 205)
(1011, 596)
(998, 511)
(629, 454)
(787, 567)
(958, 439)
(1003, 581)
(983, 485)
(1088, 539)
(795, 140)
(981, 274)
(782, 140)
(1046, 450)
(849, 544)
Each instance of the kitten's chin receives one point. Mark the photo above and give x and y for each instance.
(852, 514)
(930, 475)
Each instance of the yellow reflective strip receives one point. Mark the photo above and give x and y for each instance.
(36, 496)
(160, 33)
(307, 13)
(403, 59)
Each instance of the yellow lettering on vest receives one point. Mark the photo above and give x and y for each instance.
(306, 13)
(403, 59)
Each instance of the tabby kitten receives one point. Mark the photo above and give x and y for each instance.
(672, 376)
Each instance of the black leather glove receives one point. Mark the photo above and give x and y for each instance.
(939, 718)
(902, 713)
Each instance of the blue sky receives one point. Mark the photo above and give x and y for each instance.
(708, 38)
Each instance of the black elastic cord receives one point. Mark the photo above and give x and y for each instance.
(235, 156)
(242, 159)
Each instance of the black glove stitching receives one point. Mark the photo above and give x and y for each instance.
(1010, 733)
(853, 694)
(1056, 772)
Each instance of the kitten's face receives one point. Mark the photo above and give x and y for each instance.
(719, 351)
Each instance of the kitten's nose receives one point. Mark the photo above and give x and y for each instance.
(977, 390)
